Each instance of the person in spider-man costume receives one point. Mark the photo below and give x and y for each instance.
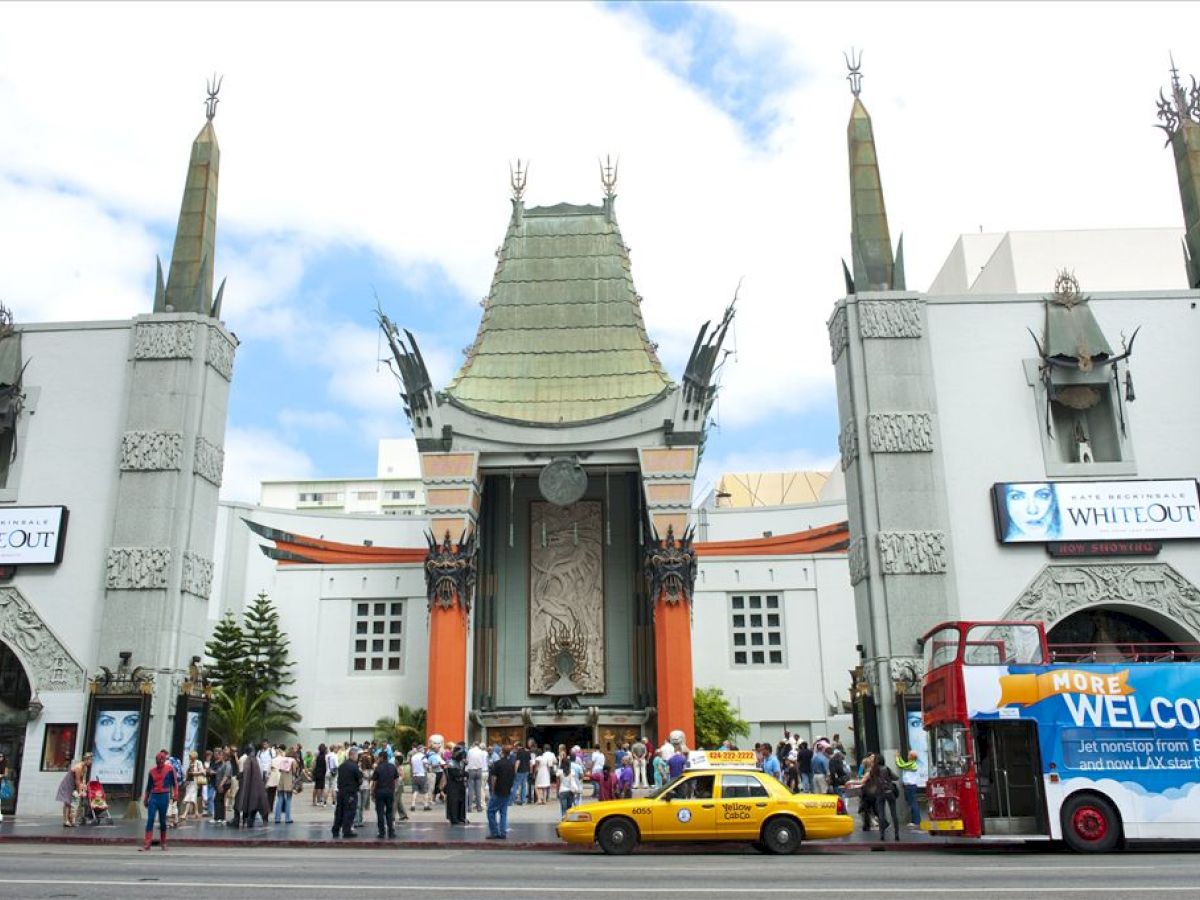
(162, 786)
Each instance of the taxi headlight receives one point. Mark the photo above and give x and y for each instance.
(576, 815)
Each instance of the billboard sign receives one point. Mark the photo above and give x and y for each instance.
(1038, 512)
(32, 535)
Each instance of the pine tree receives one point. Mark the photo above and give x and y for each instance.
(266, 650)
(227, 650)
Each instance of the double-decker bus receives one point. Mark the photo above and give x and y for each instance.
(1089, 747)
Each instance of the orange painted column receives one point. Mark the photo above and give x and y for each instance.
(446, 706)
(673, 668)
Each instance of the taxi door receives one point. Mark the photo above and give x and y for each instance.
(687, 812)
(743, 804)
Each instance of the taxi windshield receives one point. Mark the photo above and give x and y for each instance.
(658, 792)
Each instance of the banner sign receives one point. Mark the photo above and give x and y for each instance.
(1095, 511)
(1136, 724)
(718, 759)
(32, 535)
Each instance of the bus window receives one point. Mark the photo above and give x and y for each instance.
(1003, 645)
(948, 750)
(941, 648)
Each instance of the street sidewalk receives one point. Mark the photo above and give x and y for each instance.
(529, 828)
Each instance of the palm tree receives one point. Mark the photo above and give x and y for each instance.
(239, 717)
(405, 730)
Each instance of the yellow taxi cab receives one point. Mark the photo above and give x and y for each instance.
(711, 801)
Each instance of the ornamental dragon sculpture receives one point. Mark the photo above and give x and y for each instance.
(670, 566)
(450, 571)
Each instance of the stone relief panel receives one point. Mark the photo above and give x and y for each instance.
(220, 354)
(164, 340)
(889, 318)
(839, 333)
(197, 575)
(848, 443)
(907, 668)
(49, 664)
(905, 432)
(138, 568)
(912, 552)
(1060, 590)
(566, 598)
(209, 461)
(856, 559)
(151, 451)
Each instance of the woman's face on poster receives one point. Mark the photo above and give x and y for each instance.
(116, 733)
(1030, 506)
(193, 731)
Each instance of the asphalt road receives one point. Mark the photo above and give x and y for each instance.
(97, 873)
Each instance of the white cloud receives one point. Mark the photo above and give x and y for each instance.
(399, 140)
(254, 455)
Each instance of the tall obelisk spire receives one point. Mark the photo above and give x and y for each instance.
(189, 286)
(1181, 121)
(875, 269)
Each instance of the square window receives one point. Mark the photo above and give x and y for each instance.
(381, 609)
(394, 664)
(360, 664)
(756, 638)
(774, 639)
(395, 626)
(739, 602)
(377, 627)
(394, 646)
(756, 620)
(772, 620)
(756, 602)
(772, 601)
(376, 663)
(360, 646)
(777, 656)
(739, 639)
(739, 621)
(740, 657)
(397, 609)
(360, 627)
(757, 656)
(364, 609)
(377, 646)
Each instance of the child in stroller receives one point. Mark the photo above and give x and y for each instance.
(95, 808)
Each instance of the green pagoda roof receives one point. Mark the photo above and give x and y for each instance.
(562, 340)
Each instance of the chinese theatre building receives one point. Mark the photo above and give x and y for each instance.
(558, 468)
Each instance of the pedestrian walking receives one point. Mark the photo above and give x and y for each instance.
(420, 778)
(500, 783)
(385, 778)
(911, 781)
(820, 769)
(477, 764)
(570, 784)
(886, 792)
(366, 762)
(349, 781)
(283, 772)
(319, 771)
(523, 762)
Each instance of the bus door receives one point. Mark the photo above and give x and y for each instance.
(1008, 765)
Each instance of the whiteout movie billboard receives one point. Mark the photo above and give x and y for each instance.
(32, 535)
(1042, 511)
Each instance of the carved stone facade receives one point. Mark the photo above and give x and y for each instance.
(164, 340)
(220, 354)
(901, 432)
(889, 318)
(197, 575)
(1060, 590)
(839, 333)
(912, 552)
(151, 451)
(138, 568)
(566, 597)
(910, 669)
(858, 560)
(209, 461)
(48, 664)
(848, 443)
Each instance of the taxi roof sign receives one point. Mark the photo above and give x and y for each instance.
(722, 759)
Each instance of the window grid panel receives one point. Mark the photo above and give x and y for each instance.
(377, 619)
(757, 637)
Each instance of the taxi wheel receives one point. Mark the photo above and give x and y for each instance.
(617, 837)
(782, 835)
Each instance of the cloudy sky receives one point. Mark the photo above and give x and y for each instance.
(365, 151)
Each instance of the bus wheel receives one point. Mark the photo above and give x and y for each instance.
(617, 836)
(1090, 824)
(782, 835)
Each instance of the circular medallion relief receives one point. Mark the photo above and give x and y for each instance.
(684, 815)
(563, 482)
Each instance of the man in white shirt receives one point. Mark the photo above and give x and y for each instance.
(597, 771)
(420, 780)
(476, 764)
